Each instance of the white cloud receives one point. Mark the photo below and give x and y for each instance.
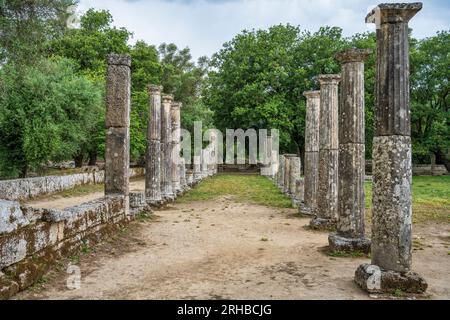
(204, 25)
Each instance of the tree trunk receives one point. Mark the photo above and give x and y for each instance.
(79, 160)
(24, 171)
(442, 159)
(92, 158)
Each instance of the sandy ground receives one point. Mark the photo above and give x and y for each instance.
(225, 250)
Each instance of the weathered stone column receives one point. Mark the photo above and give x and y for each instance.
(153, 154)
(327, 192)
(350, 235)
(294, 174)
(280, 175)
(197, 168)
(166, 148)
(286, 177)
(391, 205)
(183, 178)
(117, 150)
(175, 117)
(205, 163)
(311, 152)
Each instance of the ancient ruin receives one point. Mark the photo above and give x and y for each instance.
(350, 235)
(391, 252)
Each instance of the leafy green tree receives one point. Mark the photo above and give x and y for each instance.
(258, 78)
(46, 114)
(430, 98)
(26, 26)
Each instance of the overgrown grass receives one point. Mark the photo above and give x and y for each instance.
(431, 199)
(243, 188)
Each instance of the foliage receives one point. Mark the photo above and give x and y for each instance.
(26, 26)
(430, 95)
(47, 113)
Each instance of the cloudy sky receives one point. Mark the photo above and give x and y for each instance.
(204, 25)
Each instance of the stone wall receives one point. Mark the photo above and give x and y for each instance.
(23, 189)
(31, 240)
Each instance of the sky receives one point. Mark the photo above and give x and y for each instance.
(204, 25)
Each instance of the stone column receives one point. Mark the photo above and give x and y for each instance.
(175, 117)
(350, 235)
(294, 174)
(117, 149)
(391, 205)
(280, 175)
(183, 179)
(197, 168)
(274, 160)
(166, 148)
(311, 152)
(327, 192)
(153, 154)
(205, 163)
(289, 186)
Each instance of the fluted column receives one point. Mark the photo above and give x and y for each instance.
(311, 182)
(327, 196)
(117, 148)
(197, 168)
(153, 154)
(280, 175)
(175, 117)
(350, 235)
(166, 148)
(391, 203)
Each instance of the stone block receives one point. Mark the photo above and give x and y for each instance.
(117, 161)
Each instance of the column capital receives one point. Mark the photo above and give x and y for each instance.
(329, 78)
(312, 94)
(167, 98)
(393, 12)
(155, 89)
(353, 55)
(177, 105)
(118, 59)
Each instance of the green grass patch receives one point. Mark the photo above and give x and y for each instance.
(247, 188)
(431, 198)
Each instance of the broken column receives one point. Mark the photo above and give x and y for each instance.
(350, 235)
(327, 192)
(117, 149)
(175, 117)
(311, 152)
(183, 179)
(166, 148)
(391, 205)
(153, 154)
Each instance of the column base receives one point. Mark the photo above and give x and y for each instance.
(374, 280)
(304, 209)
(342, 244)
(322, 224)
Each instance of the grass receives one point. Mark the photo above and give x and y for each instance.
(248, 188)
(431, 199)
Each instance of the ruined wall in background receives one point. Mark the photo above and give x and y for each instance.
(23, 189)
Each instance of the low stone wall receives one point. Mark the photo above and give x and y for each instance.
(23, 189)
(31, 240)
(249, 168)
(427, 170)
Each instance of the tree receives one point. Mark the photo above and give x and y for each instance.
(47, 113)
(430, 98)
(88, 47)
(26, 26)
(258, 78)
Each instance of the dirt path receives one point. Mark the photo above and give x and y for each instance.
(222, 249)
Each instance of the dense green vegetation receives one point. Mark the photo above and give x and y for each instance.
(52, 81)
